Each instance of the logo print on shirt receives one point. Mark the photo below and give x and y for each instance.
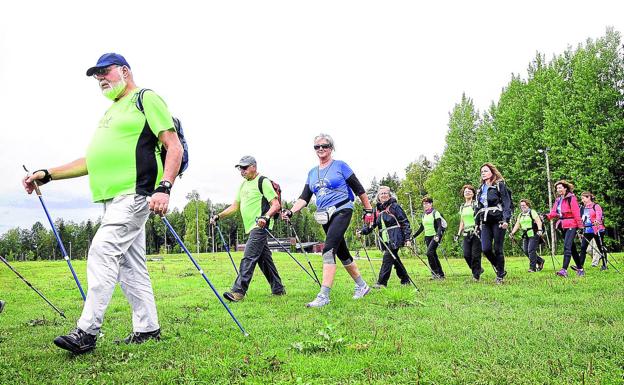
(322, 187)
(105, 122)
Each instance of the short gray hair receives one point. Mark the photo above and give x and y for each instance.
(328, 138)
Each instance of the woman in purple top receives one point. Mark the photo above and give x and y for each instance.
(333, 183)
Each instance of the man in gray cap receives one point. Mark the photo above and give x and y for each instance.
(257, 202)
(125, 167)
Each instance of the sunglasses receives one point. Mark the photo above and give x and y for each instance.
(243, 167)
(323, 146)
(103, 71)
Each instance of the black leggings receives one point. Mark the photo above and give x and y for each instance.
(493, 233)
(472, 253)
(529, 246)
(569, 249)
(335, 230)
(432, 256)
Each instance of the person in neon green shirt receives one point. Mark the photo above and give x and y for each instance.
(467, 229)
(124, 168)
(531, 225)
(256, 218)
(432, 225)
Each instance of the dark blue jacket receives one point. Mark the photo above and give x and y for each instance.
(497, 195)
(392, 214)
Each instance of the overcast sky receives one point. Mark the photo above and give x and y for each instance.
(263, 78)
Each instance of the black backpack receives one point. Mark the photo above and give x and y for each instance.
(178, 127)
(265, 203)
(500, 196)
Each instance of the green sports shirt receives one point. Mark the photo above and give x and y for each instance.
(249, 200)
(428, 222)
(123, 156)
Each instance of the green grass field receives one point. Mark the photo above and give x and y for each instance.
(534, 329)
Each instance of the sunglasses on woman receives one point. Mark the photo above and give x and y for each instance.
(323, 146)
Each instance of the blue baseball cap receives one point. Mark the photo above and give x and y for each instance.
(106, 60)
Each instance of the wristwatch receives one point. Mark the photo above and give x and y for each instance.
(164, 187)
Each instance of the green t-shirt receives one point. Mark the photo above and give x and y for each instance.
(428, 222)
(467, 215)
(526, 221)
(249, 200)
(124, 154)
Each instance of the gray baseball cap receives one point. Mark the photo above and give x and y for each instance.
(246, 160)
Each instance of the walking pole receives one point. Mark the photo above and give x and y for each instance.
(443, 251)
(414, 251)
(552, 249)
(32, 287)
(291, 256)
(602, 256)
(292, 227)
(396, 258)
(375, 275)
(175, 235)
(58, 238)
(227, 247)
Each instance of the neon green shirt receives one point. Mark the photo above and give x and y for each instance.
(249, 200)
(124, 154)
(428, 222)
(467, 215)
(526, 221)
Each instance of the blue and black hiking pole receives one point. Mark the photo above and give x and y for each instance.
(175, 235)
(227, 247)
(58, 238)
(32, 287)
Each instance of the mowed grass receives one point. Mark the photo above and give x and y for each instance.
(534, 329)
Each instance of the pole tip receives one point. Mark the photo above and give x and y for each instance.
(63, 315)
(246, 334)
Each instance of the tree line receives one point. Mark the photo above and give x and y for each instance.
(571, 106)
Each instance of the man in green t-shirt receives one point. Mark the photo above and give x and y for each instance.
(124, 166)
(256, 219)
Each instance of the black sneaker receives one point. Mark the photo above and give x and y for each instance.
(2, 303)
(77, 341)
(280, 293)
(139, 338)
(540, 265)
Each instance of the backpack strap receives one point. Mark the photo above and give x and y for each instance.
(260, 181)
(139, 101)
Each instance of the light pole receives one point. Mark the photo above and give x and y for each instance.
(411, 207)
(552, 226)
(70, 257)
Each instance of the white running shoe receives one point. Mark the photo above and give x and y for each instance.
(360, 291)
(319, 301)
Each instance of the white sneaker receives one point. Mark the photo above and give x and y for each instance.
(319, 301)
(360, 291)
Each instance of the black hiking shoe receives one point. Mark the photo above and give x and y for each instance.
(2, 303)
(540, 265)
(279, 293)
(139, 338)
(77, 341)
